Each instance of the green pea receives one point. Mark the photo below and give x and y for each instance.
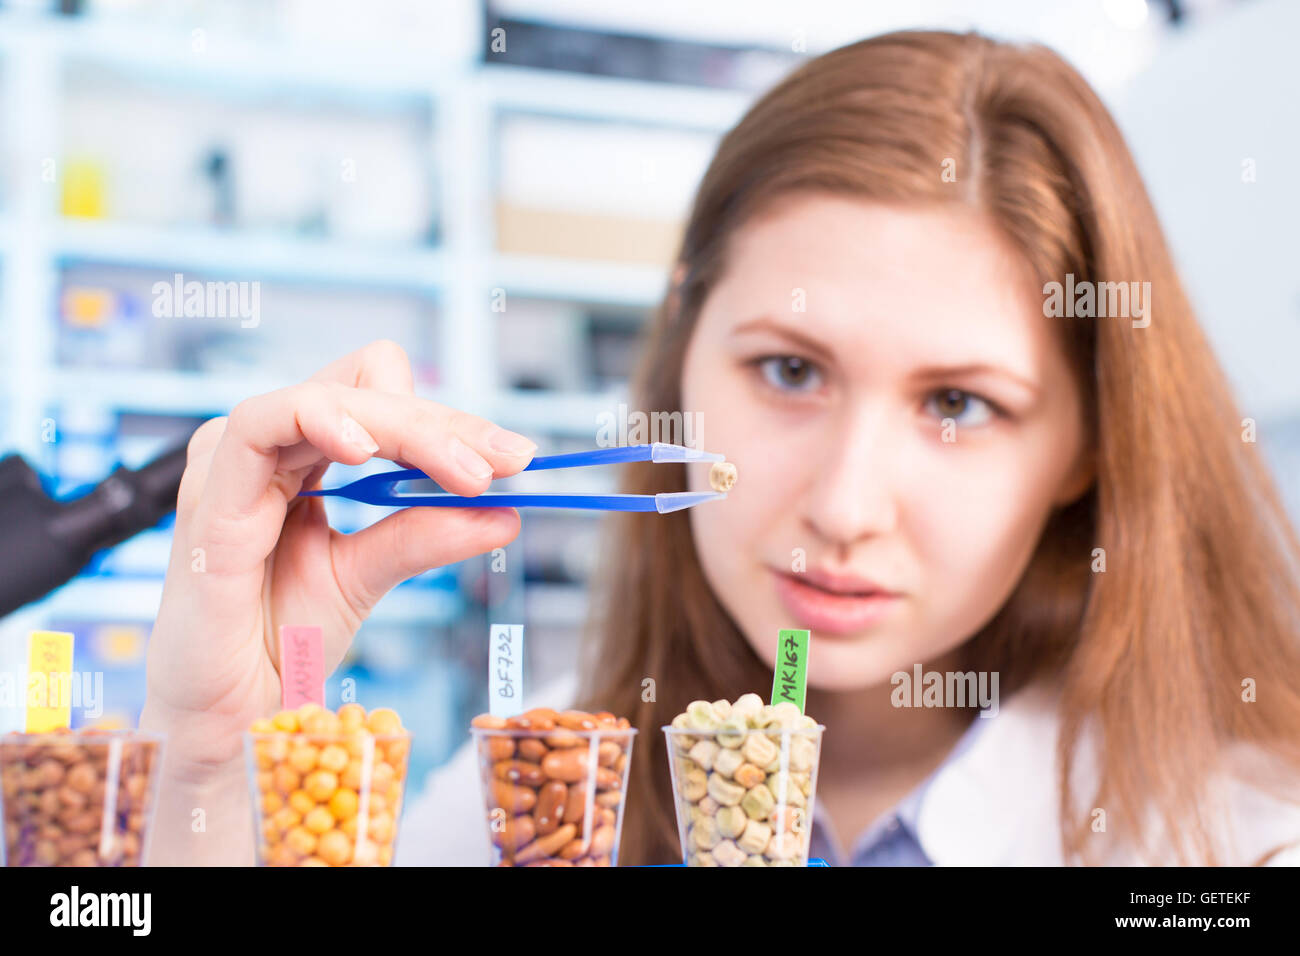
(731, 732)
(758, 803)
(700, 715)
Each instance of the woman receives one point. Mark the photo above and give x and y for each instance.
(933, 472)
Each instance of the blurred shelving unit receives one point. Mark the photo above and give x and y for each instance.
(267, 255)
(74, 407)
(464, 100)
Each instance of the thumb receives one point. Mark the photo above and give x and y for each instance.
(371, 562)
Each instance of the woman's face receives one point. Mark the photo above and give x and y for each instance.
(903, 420)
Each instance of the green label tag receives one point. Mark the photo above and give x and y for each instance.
(790, 676)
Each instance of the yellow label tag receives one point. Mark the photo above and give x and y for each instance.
(49, 681)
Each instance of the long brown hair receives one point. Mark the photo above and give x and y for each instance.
(1199, 591)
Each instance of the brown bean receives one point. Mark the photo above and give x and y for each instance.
(81, 778)
(520, 771)
(576, 720)
(532, 750)
(546, 845)
(49, 773)
(512, 798)
(609, 798)
(606, 816)
(607, 779)
(86, 822)
(66, 753)
(602, 841)
(135, 786)
(49, 802)
(70, 843)
(565, 738)
(567, 765)
(514, 833)
(551, 862)
(488, 722)
(550, 806)
(574, 849)
(607, 753)
(47, 854)
(539, 718)
(70, 797)
(575, 805)
(500, 748)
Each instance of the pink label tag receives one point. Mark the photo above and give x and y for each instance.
(302, 666)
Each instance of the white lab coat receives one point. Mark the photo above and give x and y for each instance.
(994, 804)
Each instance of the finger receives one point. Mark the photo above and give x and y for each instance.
(371, 562)
(311, 480)
(204, 442)
(381, 365)
(198, 458)
(460, 451)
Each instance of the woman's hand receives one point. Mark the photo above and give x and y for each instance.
(248, 556)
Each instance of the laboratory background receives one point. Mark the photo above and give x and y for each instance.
(498, 186)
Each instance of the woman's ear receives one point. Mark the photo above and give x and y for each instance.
(1078, 480)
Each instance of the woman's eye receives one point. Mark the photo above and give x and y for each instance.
(790, 373)
(962, 407)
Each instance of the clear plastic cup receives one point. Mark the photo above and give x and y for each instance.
(744, 797)
(78, 799)
(554, 797)
(326, 799)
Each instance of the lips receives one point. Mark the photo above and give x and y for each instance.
(831, 603)
(847, 585)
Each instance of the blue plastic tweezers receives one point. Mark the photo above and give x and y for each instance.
(378, 489)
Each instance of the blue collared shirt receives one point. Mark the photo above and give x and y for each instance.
(892, 839)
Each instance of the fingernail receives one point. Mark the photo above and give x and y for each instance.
(356, 436)
(511, 443)
(470, 461)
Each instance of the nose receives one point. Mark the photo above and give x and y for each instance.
(853, 498)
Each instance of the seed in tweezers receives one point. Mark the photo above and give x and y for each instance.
(722, 476)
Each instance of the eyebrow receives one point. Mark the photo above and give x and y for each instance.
(765, 323)
(939, 373)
